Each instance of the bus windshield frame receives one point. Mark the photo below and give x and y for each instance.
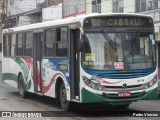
(134, 60)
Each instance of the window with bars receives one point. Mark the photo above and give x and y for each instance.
(28, 44)
(13, 44)
(96, 6)
(6, 43)
(117, 6)
(145, 5)
(19, 45)
(62, 42)
(56, 42)
(49, 43)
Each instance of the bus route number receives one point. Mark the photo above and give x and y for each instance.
(96, 22)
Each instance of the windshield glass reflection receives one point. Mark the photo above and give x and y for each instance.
(107, 51)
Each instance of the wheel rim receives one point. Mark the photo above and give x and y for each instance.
(63, 96)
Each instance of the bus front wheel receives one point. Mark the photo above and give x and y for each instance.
(22, 91)
(65, 104)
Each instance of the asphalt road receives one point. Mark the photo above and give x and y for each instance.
(10, 101)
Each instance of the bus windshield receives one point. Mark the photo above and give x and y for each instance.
(109, 51)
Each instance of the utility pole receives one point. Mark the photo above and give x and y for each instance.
(154, 10)
(2, 7)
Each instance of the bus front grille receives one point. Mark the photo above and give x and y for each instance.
(121, 75)
(120, 89)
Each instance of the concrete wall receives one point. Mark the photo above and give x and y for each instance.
(1, 2)
(50, 13)
(129, 6)
(28, 19)
(106, 6)
(73, 7)
(88, 6)
(21, 6)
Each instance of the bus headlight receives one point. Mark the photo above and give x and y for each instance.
(93, 83)
(151, 83)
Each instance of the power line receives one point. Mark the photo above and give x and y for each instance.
(23, 11)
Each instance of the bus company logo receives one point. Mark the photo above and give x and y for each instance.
(124, 85)
(6, 114)
(49, 65)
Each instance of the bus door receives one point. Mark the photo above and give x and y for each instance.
(158, 60)
(74, 63)
(37, 58)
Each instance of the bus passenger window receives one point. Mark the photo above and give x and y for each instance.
(49, 43)
(62, 42)
(19, 47)
(5, 43)
(13, 44)
(58, 34)
(28, 44)
(7, 50)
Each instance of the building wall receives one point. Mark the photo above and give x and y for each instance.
(88, 6)
(106, 6)
(129, 6)
(28, 19)
(1, 17)
(1, 2)
(54, 2)
(50, 13)
(73, 7)
(1, 24)
(20, 6)
(67, 9)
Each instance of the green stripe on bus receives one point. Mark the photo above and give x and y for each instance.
(23, 67)
(25, 72)
(9, 76)
(28, 85)
(13, 77)
(90, 97)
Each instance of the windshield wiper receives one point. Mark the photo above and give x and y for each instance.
(135, 38)
(108, 39)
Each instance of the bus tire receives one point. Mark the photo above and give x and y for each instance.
(21, 86)
(65, 104)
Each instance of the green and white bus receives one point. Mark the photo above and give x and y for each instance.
(96, 58)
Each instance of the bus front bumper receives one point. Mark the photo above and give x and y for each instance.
(90, 97)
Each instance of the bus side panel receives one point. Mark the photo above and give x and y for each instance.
(52, 71)
(12, 67)
(8, 75)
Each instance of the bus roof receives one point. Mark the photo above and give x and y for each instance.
(75, 19)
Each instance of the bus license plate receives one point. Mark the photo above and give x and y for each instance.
(124, 94)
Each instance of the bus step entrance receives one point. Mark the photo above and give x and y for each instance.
(75, 100)
(39, 93)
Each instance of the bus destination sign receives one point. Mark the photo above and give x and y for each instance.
(117, 22)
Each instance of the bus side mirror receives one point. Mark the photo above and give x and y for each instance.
(80, 44)
(80, 41)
